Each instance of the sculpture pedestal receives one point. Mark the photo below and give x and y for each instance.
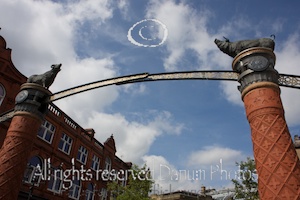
(20, 137)
(276, 160)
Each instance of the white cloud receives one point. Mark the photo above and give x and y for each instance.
(44, 33)
(209, 155)
(135, 88)
(49, 32)
(89, 10)
(211, 166)
(278, 25)
(287, 55)
(287, 62)
(133, 138)
(168, 178)
(231, 92)
(39, 35)
(123, 6)
(187, 30)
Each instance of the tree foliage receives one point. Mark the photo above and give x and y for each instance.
(137, 188)
(246, 182)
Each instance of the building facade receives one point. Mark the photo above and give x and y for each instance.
(66, 162)
(297, 144)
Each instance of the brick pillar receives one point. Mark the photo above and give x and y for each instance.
(29, 111)
(276, 160)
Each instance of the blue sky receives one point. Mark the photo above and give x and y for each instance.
(170, 125)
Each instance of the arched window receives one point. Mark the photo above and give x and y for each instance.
(75, 190)
(2, 93)
(103, 194)
(33, 171)
(108, 163)
(89, 192)
(56, 179)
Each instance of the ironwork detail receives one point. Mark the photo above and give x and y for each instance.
(285, 80)
(7, 115)
(288, 80)
(189, 75)
(94, 85)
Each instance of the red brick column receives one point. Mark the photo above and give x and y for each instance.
(276, 160)
(20, 138)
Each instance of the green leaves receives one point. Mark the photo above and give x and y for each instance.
(246, 182)
(138, 185)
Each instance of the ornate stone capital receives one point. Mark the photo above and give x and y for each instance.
(32, 100)
(255, 65)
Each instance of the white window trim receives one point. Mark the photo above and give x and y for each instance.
(55, 179)
(98, 162)
(73, 190)
(47, 129)
(33, 171)
(66, 142)
(108, 164)
(90, 193)
(81, 153)
(2, 97)
(103, 194)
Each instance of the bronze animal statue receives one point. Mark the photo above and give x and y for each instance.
(234, 48)
(46, 79)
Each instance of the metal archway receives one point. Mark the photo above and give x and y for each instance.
(286, 80)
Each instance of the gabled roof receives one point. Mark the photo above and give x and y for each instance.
(6, 65)
(110, 143)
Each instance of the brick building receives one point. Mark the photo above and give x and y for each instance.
(66, 162)
(297, 145)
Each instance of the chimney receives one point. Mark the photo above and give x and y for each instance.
(296, 142)
(90, 132)
(203, 190)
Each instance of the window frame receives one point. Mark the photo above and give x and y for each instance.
(56, 180)
(89, 192)
(32, 169)
(65, 143)
(46, 128)
(4, 93)
(103, 194)
(95, 160)
(75, 189)
(83, 153)
(108, 164)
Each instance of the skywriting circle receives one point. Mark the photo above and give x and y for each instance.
(144, 39)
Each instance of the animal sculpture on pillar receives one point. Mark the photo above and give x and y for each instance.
(46, 79)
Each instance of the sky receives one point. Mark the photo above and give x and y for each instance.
(189, 132)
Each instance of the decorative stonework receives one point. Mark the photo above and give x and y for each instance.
(277, 163)
(14, 154)
(276, 160)
(31, 104)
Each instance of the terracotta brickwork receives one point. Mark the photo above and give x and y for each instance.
(276, 160)
(17, 151)
(14, 154)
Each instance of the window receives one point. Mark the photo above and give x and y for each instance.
(108, 164)
(95, 163)
(103, 194)
(74, 192)
(46, 132)
(90, 192)
(55, 182)
(82, 154)
(2, 93)
(65, 143)
(34, 167)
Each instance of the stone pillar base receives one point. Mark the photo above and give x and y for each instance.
(29, 110)
(276, 160)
